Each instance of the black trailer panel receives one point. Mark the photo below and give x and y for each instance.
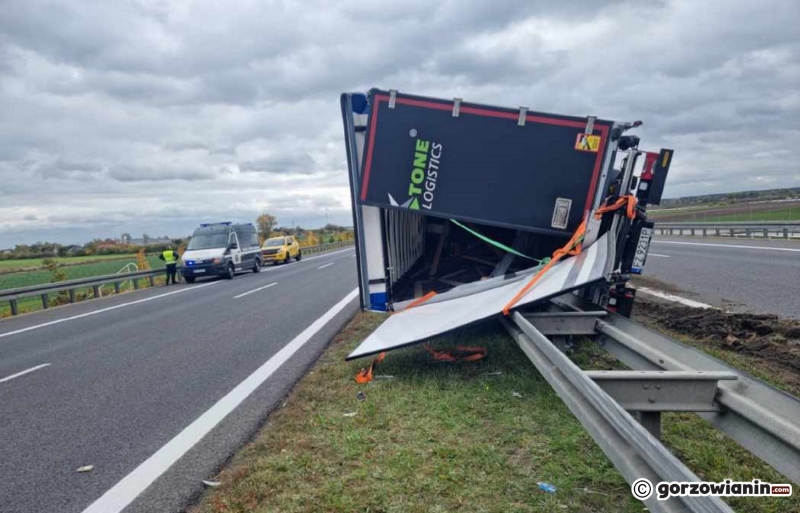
(529, 170)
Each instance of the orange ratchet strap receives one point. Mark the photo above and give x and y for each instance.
(457, 353)
(365, 375)
(573, 247)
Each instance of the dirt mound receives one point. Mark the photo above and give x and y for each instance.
(771, 342)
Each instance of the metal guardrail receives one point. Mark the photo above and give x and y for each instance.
(95, 282)
(766, 229)
(666, 376)
(321, 248)
(44, 290)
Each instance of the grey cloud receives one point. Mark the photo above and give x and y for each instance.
(297, 164)
(67, 168)
(125, 173)
(100, 99)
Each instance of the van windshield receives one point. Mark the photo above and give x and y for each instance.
(208, 241)
(272, 243)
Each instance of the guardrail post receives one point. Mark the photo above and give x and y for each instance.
(747, 233)
(45, 300)
(731, 232)
(718, 232)
(670, 231)
(95, 291)
(116, 287)
(692, 232)
(152, 280)
(71, 295)
(680, 231)
(785, 233)
(135, 283)
(705, 234)
(14, 307)
(651, 421)
(766, 233)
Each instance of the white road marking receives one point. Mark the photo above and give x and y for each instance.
(768, 248)
(125, 491)
(326, 254)
(255, 290)
(674, 298)
(306, 259)
(9, 378)
(324, 266)
(95, 312)
(658, 255)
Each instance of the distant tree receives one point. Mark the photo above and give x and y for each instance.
(145, 238)
(266, 224)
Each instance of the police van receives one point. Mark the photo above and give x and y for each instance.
(221, 249)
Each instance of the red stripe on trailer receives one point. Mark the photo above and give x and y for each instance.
(372, 124)
(481, 112)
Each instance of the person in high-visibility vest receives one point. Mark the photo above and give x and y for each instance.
(171, 259)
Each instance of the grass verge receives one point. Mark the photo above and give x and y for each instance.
(448, 437)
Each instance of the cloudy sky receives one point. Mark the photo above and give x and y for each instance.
(153, 115)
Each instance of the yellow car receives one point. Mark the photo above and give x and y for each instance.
(281, 249)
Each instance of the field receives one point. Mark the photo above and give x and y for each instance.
(767, 211)
(474, 436)
(30, 263)
(74, 271)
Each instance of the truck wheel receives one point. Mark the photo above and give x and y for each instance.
(189, 279)
(257, 266)
(299, 255)
(229, 272)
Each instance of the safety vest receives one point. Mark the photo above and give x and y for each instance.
(170, 256)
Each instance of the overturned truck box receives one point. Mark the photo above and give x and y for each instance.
(454, 199)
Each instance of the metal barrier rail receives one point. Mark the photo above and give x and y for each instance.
(666, 376)
(327, 247)
(766, 229)
(44, 290)
(95, 282)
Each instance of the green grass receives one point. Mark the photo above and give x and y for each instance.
(448, 437)
(30, 278)
(28, 263)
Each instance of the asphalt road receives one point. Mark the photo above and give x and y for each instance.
(130, 374)
(738, 275)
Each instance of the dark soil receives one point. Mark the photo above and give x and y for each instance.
(770, 342)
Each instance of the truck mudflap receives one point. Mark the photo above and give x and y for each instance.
(462, 306)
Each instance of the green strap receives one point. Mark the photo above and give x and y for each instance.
(494, 242)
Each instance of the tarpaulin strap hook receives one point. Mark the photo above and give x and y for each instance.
(457, 353)
(365, 375)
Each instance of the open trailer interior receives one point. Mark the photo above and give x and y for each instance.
(447, 193)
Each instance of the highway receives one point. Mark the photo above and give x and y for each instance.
(760, 276)
(132, 383)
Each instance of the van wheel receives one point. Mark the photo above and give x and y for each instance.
(288, 258)
(299, 255)
(229, 272)
(257, 266)
(189, 279)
